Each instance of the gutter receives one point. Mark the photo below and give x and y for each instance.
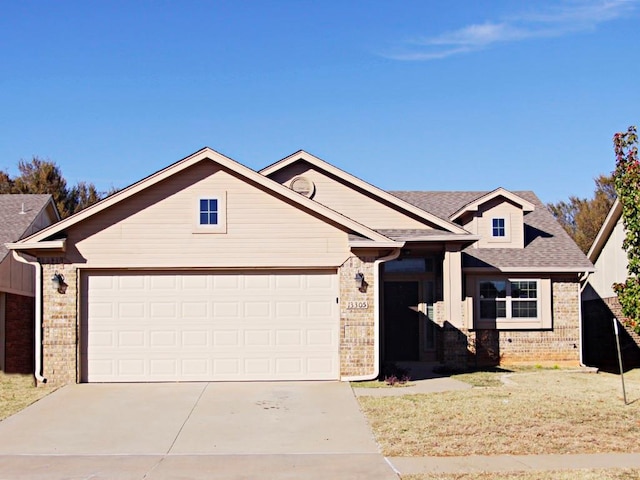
(376, 318)
(38, 316)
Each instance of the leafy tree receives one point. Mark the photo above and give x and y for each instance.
(44, 176)
(627, 182)
(581, 217)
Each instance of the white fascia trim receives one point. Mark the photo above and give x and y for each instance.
(372, 244)
(301, 154)
(543, 270)
(60, 245)
(473, 206)
(605, 231)
(376, 320)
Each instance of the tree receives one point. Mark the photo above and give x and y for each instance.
(627, 183)
(44, 176)
(582, 218)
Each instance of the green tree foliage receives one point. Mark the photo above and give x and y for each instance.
(44, 176)
(627, 183)
(581, 217)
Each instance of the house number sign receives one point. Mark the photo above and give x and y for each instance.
(357, 305)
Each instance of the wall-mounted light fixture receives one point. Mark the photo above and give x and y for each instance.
(360, 283)
(58, 282)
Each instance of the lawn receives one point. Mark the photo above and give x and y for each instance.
(521, 413)
(583, 474)
(18, 392)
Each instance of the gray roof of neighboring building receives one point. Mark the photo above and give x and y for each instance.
(13, 222)
(547, 245)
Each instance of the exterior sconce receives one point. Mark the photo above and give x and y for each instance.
(360, 283)
(58, 282)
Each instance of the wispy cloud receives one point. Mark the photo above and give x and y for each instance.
(565, 18)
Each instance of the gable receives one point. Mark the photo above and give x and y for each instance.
(501, 213)
(157, 228)
(354, 198)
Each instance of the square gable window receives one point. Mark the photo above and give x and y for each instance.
(210, 214)
(208, 211)
(499, 229)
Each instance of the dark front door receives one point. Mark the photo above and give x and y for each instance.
(401, 321)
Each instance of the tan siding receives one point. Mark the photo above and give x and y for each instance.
(156, 228)
(357, 205)
(16, 277)
(611, 265)
(499, 208)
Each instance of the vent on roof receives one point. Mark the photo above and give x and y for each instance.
(22, 212)
(303, 186)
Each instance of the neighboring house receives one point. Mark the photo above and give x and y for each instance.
(208, 270)
(600, 303)
(20, 216)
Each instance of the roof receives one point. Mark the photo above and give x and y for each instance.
(17, 213)
(205, 154)
(441, 222)
(547, 246)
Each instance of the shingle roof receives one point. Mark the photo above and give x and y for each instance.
(547, 245)
(13, 223)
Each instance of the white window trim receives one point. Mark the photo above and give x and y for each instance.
(507, 230)
(221, 227)
(543, 306)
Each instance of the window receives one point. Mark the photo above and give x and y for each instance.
(210, 214)
(508, 299)
(499, 227)
(208, 211)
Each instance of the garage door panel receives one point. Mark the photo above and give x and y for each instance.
(204, 327)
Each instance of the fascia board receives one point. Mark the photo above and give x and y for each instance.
(302, 155)
(605, 231)
(473, 206)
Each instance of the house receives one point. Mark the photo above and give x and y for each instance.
(600, 302)
(20, 216)
(208, 270)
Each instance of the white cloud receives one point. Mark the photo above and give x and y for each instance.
(565, 18)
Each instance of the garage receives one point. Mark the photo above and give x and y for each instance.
(209, 326)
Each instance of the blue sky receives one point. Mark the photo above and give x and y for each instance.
(407, 95)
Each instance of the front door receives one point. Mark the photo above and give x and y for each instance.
(401, 320)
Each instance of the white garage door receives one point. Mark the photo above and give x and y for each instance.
(203, 327)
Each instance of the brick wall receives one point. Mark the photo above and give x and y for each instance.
(59, 326)
(19, 334)
(357, 322)
(465, 349)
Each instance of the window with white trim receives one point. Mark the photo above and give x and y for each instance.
(210, 214)
(509, 299)
(208, 211)
(498, 228)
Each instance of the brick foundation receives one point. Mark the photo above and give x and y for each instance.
(19, 334)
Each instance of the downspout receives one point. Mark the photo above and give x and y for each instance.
(582, 279)
(38, 314)
(376, 318)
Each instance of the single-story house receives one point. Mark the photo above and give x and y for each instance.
(600, 302)
(20, 216)
(208, 270)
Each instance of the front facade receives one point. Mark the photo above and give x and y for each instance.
(208, 270)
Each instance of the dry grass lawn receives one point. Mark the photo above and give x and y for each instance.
(18, 392)
(534, 412)
(595, 474)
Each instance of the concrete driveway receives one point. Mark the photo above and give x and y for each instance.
(192, 430)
